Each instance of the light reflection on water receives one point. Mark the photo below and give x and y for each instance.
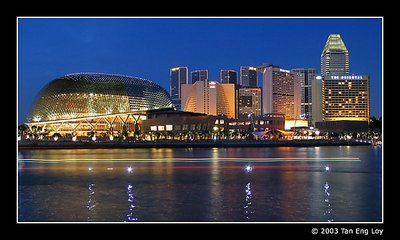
(219, 189)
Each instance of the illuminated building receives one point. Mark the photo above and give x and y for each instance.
(80, 103)
(210, 97)
(345, 98)
(279, 92)
(316, 100)
(250, 101)
(178, 76)
(248, 76)
(306, 78)
(198, 75)
(228, 76)
(334, 57)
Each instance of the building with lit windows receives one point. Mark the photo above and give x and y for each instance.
(210, 97)
(345, 98)
(229, 76)
(306, 77)
(198, 75)
(250, 101)
(334, 57)
(178, 76)
(248, 76)
(281, 93)
(83, 103)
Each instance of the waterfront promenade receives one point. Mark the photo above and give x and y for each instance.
(26, 144)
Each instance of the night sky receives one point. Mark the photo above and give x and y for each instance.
(52, 47)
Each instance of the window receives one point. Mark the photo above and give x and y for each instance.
(221, 121)
(168, 127)
(161, 128)
(153, 128)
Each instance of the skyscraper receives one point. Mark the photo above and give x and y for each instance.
(228, 76)
(198, 75)
(306, 77)
(178, 76)
(334, 57)
(248, 76)
(279, 93)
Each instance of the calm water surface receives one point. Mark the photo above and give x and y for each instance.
(282, 184)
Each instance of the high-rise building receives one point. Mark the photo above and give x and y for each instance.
(248, 76)
(334, 57)
(316, 100)
(345, 97)
(228, 76)
(210, 97)
(178, 76)
(250, 101)
(198, 75)
(279, 95)
(306, 77)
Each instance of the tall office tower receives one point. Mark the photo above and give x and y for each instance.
(279, 95)
(345, 98)
(334, 57)
(316, 100)
(178, 76)
(228, 76)
(210, 97)
(198, 75)
(306, 77)
(250, 101)
(248, 76)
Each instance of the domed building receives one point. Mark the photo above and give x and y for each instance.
(80, 103)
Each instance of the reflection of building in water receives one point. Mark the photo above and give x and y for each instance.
(247, 206)
(91, 202)
(328, 206)
(130, 216)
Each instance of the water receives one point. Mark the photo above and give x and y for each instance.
(282, 184)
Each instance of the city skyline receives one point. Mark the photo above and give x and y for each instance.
(50, 48)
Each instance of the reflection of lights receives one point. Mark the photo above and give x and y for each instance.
(327, 168)
(249, 196)
(90, 169)
(249, 168)
(129, 169)
(131, 198)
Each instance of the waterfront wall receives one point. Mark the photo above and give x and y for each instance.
(182, 144)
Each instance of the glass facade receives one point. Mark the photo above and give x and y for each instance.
(228, 76)
(93, 94)
(248, 76)
(178, 76)
(199, 75)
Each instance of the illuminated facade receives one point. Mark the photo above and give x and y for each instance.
(210, 97)
(228, 76)
(279, 92)
(248, 76)
(334, 57)
(198, 75)
(92, 102)
(305, 77)
(346, 98)
(178, 76)
(316, 100)
(250, 101)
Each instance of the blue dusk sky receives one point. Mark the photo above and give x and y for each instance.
(148, 47)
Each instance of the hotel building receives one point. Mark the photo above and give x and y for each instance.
(210, 97)
(250, 101)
